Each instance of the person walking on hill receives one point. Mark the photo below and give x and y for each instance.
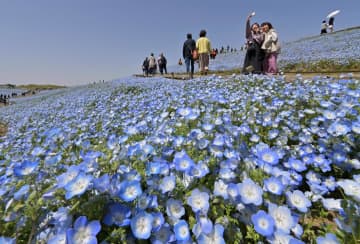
(162, 63)
(323, 27)
(331, 24)
(145, 67)
(188, 48)
(254, 57)
(203, 46)
(152, 64)
(271, 46)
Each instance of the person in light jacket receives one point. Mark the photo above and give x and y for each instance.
(204, 48)
(271, 46)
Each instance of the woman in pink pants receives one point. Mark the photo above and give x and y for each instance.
(271, 47)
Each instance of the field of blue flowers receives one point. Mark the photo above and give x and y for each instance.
(235, 159)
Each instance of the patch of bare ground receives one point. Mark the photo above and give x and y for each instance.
(3, 129)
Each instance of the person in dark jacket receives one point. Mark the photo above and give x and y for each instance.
(188, 48)
(254, 56)
(331, 24)
(162, 63)
(145, 66)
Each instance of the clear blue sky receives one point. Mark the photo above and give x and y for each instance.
(80, 41)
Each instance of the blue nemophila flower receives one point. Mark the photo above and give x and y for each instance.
(203, 225)
(182, 161)
(102, 184)
(215, 237)
(117, 214)
(220, 189)
(141, 225)
(329, 238)
(21, 192)
(332, 204)
(7, 240)
(199, 201)
(153, 168)
(158, 221)
(355, 127)
(298, 200)
(274, 185)
(330, 183)
(339, 128)
(250, 192)
(320, 161)
(284, 221)
(164, 235)
(297, 165)
(263, 223)
(130, 190)
(78, 186)
(297, 230)
(268, 156)
(37, 151)
(328, 114)
(182, 232)
(227, 174)
(83, 232)
(233, 191)
(207, 127)
(174, 208)
(351, 188)
(69, 175)
(61, 220)
(147, 201)
(167, 184)
(59, 238)
(25, 168)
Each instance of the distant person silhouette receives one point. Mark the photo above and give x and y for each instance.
(152, 64)
(331, 24)
(323, 27)
(162, 63)
(180, 61)
(204, 48)
(145, 67)
(188, 48)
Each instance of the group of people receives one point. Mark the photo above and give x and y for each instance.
(199, 50)
(4, 99)
(150, 65)
(262, 48)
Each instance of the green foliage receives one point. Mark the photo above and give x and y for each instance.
(323, 66)
(251, 235)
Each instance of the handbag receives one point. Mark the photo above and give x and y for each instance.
(195, 54)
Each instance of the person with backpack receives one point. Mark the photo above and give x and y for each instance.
(188, 48)
(203, 46)
(162, 63)
(271, 46)
(152, 64)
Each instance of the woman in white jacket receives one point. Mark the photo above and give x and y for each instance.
(271, 47)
